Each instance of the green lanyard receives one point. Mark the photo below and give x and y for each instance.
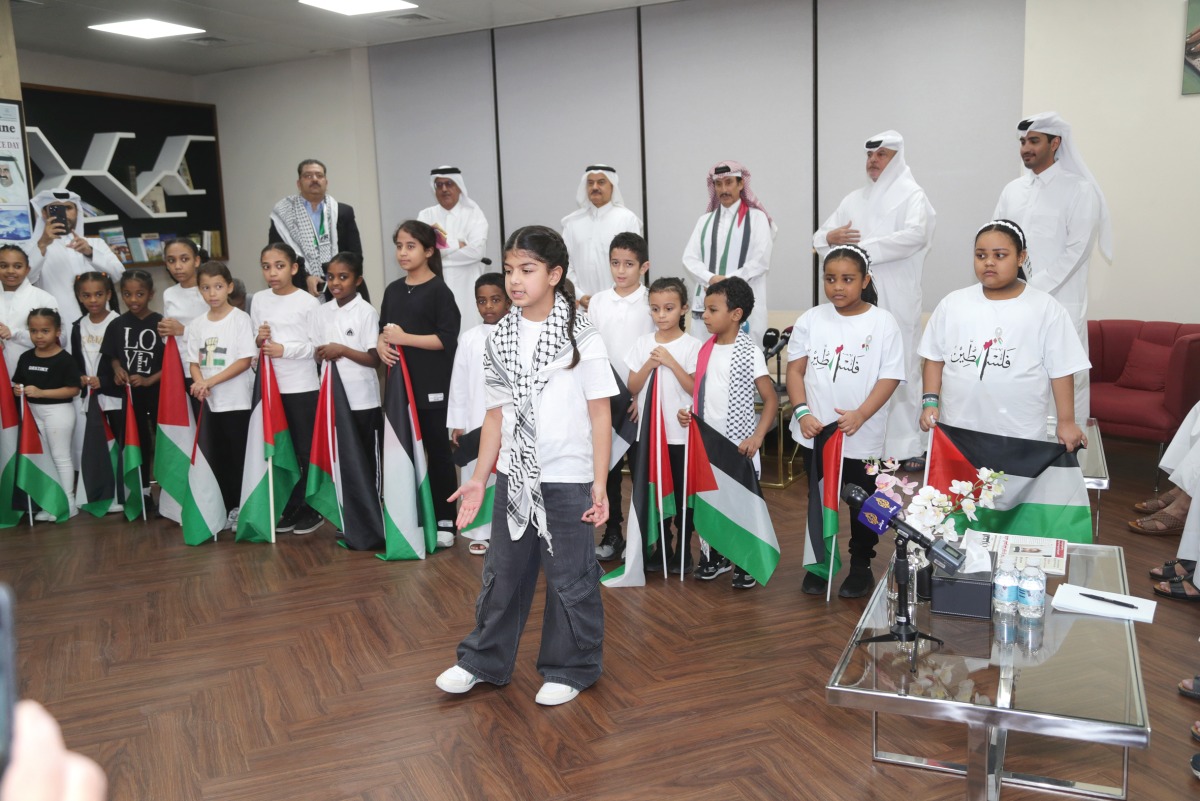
(321, 233)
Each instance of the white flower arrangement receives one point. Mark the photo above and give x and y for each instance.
(930, 509)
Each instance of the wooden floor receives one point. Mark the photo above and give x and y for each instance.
(304, 671)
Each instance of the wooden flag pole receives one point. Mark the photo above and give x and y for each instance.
(684, 538)
(656, 439)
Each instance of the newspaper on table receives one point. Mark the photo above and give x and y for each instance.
(1052, 551)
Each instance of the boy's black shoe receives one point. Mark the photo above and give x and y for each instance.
(610, 545)
(673, 565)
(743, 580)
(711, 569)
(287, 522)
(307, 521)
(813, 584)
(860, 582)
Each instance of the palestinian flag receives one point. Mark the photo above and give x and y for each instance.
(341, 485)
(465, 456)
(131, 459)
(271, 470)
(10, 432)
(1044, 494)
(727, 503)
(176, 436)
(625, 431)
(410, 525)
(97, 488)
(653, 501)
(36, 474)
(824, 484)
(204, 511)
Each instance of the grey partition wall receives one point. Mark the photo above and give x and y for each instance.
(432, 101)
(731, 81)
(948, 75)
(567, 91)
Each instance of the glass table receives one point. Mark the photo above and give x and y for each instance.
(1076, 677)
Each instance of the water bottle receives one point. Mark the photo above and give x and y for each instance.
(1030, 633)
(1031, 589)
(1004, 587)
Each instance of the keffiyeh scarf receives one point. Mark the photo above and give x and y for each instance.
(294, 224)
(739, 418)
(503, 370)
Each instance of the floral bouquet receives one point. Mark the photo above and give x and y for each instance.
(930, 509)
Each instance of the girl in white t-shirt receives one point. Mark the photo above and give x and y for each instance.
(281, 319)
(996, 352)
(220, 347)
(845, 359)
(669, 354)
(95, 291)
(182, 302)
(549, 433)
(347, 329)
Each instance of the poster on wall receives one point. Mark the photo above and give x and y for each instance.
(1191, 50)
(14, 175)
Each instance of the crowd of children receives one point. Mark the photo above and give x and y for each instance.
(530, 390)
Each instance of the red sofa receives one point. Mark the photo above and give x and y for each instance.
(1124, 411)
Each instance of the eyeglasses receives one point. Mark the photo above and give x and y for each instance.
(310, 175)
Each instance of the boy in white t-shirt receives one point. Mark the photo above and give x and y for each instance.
(466, 404)
(733, 370)
(621, 315)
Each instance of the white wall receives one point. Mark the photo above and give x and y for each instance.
(432, 102)
(1112, 68)
(96, 76)
(947, 75)
(269, 119)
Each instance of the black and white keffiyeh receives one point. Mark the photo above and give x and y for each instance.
(739, 420)
(295, 225)
(502, 369)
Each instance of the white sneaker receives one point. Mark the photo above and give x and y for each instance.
(231, 521)
(116, 507)
(445, 539)
(553, 694)
(456, 680)
(44, 516)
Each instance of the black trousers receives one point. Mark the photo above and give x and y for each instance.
(233, 428)
(300, 409)
(442, 479)
(368, 424)
(615, 477)
(145, 410)
(862, 539)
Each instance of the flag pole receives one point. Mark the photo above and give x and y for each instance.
(684, 538)
(833, 550)
(129, 400)
(657, 440)
(28, 497)
(337, 491)
(270, 459)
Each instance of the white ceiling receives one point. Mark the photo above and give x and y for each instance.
(257, 32)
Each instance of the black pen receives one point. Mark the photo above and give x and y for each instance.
(1108, 600)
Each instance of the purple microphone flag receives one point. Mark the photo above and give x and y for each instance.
(877, 511)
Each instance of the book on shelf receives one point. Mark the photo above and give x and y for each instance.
(153, 245)
(115, 239)
(211, 242)
(91, 211)
(156, 200)
(185, 174)
(137, 249)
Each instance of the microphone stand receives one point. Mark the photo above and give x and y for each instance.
(903, 630)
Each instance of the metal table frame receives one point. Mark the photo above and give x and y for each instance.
(988, 726)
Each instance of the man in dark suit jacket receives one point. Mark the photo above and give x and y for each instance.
(315, 225)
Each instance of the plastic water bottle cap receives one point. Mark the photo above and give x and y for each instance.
(1034, 561)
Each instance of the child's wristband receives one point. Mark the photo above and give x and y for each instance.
(930, 400)
(802, 410)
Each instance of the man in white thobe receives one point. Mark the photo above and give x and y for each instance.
(461, 222)
(893, 221)
(1062, 210)
(59, 252)
(734, 237)
(589, 230)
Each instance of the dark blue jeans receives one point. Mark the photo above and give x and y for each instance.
(573, 623)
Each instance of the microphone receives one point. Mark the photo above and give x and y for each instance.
(770, 338)
(878, 512)
(780, 344)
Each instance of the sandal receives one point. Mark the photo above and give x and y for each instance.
(1157, 504)
(1170, 525)
(1178, 590)
(479, 547)
(1192, 693)
(914, 465)
(1168, 572)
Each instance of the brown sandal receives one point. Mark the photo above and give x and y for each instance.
(1157, 504)
(1171, 525)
